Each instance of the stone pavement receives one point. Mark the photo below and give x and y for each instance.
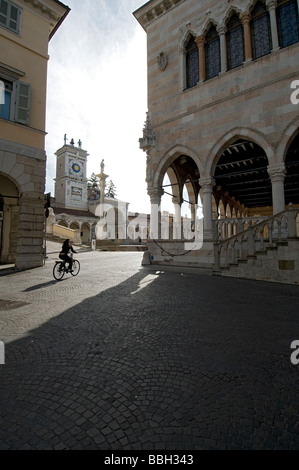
(129, 358)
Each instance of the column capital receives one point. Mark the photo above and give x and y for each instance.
(271, 4)
(155, 194)
(207, 183)
(177, 200)
(277, 172)
(200, 40)
(245, 17)
(221, 30)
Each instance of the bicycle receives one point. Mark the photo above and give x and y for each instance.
(60, 269)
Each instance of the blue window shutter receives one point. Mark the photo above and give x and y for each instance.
(23, 94)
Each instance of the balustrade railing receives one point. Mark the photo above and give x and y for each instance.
(256, 238)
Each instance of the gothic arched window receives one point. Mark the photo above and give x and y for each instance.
(260, 31)
(287, 22)
(192, 63)
(235, 42)
(212, 53)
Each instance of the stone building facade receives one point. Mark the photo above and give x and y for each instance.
(25, 30)
(87, 214)
(223, 87)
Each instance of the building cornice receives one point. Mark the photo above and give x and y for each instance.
(54, 10)
(154, 9)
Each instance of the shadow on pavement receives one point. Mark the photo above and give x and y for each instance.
(162, 361)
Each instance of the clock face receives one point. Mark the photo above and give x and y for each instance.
(76, 168)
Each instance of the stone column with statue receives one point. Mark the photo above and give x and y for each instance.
(101, 214)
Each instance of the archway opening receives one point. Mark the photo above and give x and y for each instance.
(242, 178)
(9, 220)
(85, 233)
(179, 202)
(62, 223)
(291, 183)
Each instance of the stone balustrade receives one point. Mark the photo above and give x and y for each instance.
(257, 238)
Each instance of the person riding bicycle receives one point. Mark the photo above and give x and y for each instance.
(64, 254)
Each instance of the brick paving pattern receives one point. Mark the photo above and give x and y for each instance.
(129, 358)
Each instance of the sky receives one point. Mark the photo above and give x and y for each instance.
(97, 92)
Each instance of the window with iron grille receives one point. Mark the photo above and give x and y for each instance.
(192, 63)
(287, 22)
(260, 31)
(235, 42)
(212, 53)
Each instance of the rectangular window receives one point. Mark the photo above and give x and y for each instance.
(287, 21)
(261, 36)
(235, 47)
(15, 99)
(213, 61)
(10, 16)
(192, 68)
(6, 88)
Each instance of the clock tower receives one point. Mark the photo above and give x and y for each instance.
(71, 182)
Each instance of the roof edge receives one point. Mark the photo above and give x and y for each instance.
(68, 9)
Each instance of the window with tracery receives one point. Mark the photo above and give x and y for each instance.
(235, 42)
(287, 22)
(212, 53)
(192, 63)
(260, 31)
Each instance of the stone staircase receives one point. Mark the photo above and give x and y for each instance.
(267, 251)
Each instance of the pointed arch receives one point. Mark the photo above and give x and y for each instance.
(186, 37)
(169, 157)
(286, 139)
(208, 24)
(232, 10)
(232, 136)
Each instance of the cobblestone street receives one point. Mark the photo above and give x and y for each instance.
(124, 357)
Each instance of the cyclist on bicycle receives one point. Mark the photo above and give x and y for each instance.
(64, 254)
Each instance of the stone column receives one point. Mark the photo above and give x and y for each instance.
(245, 20)
(102, 180)
(193, 208)
(223, 53)
(102, 183)
(207, 186)
(277, 174)
(177, 225)
(271, 5)
(200, 41)
(182, 60)
(155, 223)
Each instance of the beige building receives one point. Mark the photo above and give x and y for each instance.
(223, 88)
(25, 30)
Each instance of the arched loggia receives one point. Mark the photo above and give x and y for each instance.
(242, 178)
(180, 195)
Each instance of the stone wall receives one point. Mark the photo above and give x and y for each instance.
(23, 168)
(251, 101)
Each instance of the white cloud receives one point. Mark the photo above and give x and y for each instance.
(97, 92)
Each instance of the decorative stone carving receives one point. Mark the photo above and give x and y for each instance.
(207, 183)
(270, 4)
(162, 60)
(155, 194)
(277, 173)
(147, 142)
